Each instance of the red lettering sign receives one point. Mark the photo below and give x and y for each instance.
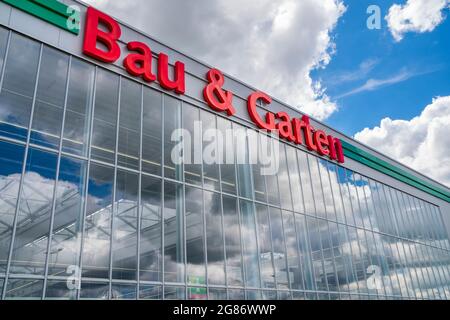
(138, 63)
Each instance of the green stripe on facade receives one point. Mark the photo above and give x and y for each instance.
(51, 11)
(373, 162)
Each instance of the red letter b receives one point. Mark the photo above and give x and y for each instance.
(93, 35)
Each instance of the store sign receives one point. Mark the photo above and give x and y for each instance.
(103, 30)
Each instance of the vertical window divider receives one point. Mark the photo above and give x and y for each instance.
(238, 208)
(163, 201)
(223, 230)
(139, 212)
(89, 142)
(114, 206)
(24, 166)
(58, 166)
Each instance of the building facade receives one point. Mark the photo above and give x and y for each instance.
(93, 206)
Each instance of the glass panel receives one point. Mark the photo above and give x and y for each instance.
(150, 292)
(78, 109)
(174, 293)
(243, 161)
(259, 183)
(279, 249)
(283, 180)
(19, 289)
(30, 244)
(232, 241)
(67, 225)
(60, 290)
(305, 252)
(129, 125)
(172, 121)
(195, 251)
(316, 186)
(16, 96)
(305, 179)
(124, 245)
(294, 177)
(50, 96)
(151, 213)
(174, 254)
(192, 145)
(214, 238)
(93, 290)
(217, 294)
(197, 293)
(265, 247)
(253, 295)
(227, 170)
(151, 132)
(236, 294)
(250, 246)
(123, 291)
(292, 255)
(105, 117)
(97, 227)
(11, 160)
(211, 151)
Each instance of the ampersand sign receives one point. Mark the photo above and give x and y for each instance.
(217, 98)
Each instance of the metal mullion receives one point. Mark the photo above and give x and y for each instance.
(86, 187)
(238, 203)
(24, 165)
(139, 213)
(283, 234)
(3, 71)
(58, 166)
(114, 207)
(222, 224)
(163, 202)
(252, 183)
(183, 203)
(203, 214)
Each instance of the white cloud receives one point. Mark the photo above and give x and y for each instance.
(422, 143)
(272, 45)
(415, 16)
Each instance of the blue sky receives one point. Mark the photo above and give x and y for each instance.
(416, 69)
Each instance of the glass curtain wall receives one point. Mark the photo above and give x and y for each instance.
(93, 205)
